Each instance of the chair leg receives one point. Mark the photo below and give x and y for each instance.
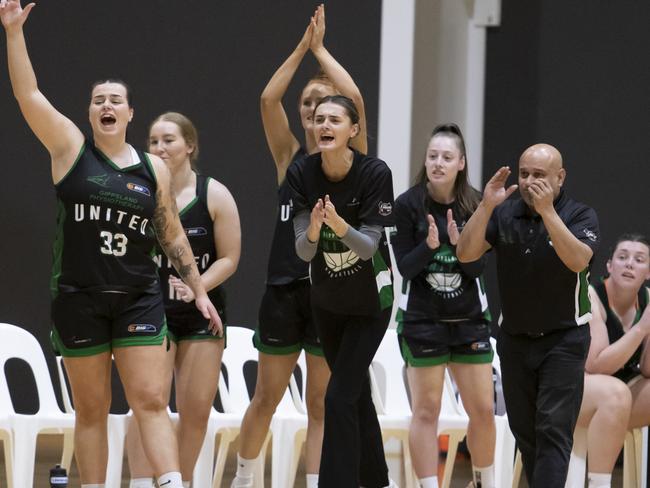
(410, 478)
(454, 439)
(24, 455)
(68, 449)
(226, 436)
(202, 475)
(578, 462)
(504, 453)
(7, 441)
(258, 476)
(116, 437)
(631, 468)
(516, 470)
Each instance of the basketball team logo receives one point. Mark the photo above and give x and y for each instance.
(442, 275)
(339, 259)
(337, 262)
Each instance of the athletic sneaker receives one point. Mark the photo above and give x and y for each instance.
(242, 482)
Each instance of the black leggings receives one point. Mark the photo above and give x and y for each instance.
(353, 450)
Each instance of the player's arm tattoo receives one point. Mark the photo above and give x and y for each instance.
(175, 248)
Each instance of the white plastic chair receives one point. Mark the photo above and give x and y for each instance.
(632, 460)
(289, 429)
(235, 400)
(393, 408)
(6, 431)
(16, 342)
(117, 428)
(394, 414)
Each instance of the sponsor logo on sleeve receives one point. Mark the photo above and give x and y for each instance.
(385, 208)
(591, 235)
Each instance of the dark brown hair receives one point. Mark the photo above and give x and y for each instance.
(465, 194)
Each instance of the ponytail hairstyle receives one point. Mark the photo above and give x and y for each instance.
(465, 194)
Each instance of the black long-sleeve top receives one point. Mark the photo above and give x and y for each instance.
(436, 285)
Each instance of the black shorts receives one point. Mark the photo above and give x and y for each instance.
(285, 321)
(190, 325)
(92, 322)
(432, 343)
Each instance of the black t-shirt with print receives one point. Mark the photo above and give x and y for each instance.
(341, 281)
(436, 285)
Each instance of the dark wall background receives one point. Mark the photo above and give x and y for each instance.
(575, 74)
(572, 73)
(209, 60)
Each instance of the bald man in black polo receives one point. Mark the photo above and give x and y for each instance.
(544, 242)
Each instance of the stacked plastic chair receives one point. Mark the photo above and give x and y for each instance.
(16, 342)
(394, 413)
(289, 428)
(576, 476)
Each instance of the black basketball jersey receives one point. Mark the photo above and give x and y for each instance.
(284, 264)
(615, 329)
(436, 285)
(104, 237)
(199, 229)
(341, 281)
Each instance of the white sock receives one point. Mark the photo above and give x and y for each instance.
(312, 481)
(186, 484)
(600, 480)
(245, 467)
(141, 483)
(170, 480)
(430, 482)
(483, 477)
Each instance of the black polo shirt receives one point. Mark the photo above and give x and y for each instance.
(539, 293)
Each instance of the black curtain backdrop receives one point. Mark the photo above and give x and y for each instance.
(208, 60)
(575, 74)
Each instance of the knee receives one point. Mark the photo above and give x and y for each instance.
(92, 409)
(427, 414)
(316, 408)
(482, 413)
(149, 399)
(265, 401)
(618, 399)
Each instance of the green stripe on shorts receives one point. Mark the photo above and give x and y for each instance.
(60, 348)
(473, 358)
(142, 340)
(315, 350)
(410, 360)
(278, 351)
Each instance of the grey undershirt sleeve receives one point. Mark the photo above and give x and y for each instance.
(365, 241)
(305, 249)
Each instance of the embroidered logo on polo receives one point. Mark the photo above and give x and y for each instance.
(101, 180)
(442, 275)
(339, 259)
(591, 235)
(385, 208)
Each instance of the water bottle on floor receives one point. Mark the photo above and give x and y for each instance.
(58, 477)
